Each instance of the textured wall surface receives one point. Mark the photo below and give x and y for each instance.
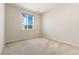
(14, 19)
(2, 7)
(62, 24)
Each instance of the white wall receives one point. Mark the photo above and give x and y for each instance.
(14, 24)
(62, 24)
(1, 27)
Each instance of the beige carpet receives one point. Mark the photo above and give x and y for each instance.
(39, 46)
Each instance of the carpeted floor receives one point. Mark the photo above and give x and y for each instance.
(39, 46)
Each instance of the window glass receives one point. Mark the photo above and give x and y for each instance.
(28, 21)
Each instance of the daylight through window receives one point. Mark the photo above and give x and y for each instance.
(28, 21)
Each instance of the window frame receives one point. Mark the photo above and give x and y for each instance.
(23, 15)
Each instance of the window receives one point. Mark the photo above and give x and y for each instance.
(28, 21)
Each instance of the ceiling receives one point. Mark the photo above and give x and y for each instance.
(38, 7)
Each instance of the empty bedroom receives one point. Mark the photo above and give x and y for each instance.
(40, 29)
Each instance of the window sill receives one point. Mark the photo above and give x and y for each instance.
(28, 29)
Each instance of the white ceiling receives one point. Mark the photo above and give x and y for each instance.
(38, 7)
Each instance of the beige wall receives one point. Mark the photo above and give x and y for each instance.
(13, 24)
(1, 27)
(62, 24)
